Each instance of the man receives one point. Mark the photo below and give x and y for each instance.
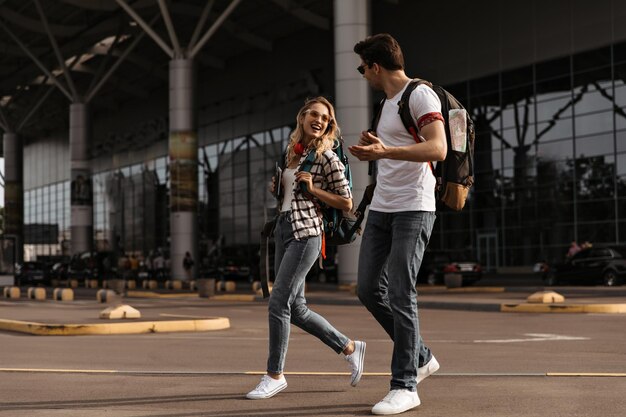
(401, 217)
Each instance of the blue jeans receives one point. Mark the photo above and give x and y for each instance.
(293, 260)
(391, 253)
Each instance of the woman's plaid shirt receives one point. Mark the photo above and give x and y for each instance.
(328, 174)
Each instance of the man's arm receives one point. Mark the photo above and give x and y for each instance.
(434, 147)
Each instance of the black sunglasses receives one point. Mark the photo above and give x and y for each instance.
(361, 69)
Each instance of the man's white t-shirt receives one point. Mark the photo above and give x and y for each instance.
(404, 185)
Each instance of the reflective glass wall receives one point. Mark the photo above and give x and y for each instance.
(131, 212)
(550, 160)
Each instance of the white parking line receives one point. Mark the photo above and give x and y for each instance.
(534, 337)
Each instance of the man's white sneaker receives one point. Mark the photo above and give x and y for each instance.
(267, 388)
(397, 401)
(355, 360)
(427, 370)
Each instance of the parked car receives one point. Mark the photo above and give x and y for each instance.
(437, 263)
(235, 265)
(31, 273)
(606, 265)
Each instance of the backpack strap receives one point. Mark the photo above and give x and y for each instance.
(404, 110)
(378, 111)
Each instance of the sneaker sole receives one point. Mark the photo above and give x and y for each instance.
(357, 378)
(398, 411)
(431, 368)
(269, 395)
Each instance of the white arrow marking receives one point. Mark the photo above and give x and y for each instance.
(534, 337)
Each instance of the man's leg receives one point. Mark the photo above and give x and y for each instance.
(372, 283)
(411, 232)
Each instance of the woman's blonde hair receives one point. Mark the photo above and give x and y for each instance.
(322, 143)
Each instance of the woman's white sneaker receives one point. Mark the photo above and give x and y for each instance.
(397, 401)
(267, 388)
(427, 370)
(356, 360)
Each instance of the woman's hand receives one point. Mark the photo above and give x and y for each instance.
(306, 178)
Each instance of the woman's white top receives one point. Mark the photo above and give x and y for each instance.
(289, 178)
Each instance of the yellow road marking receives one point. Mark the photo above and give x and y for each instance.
(588, 374)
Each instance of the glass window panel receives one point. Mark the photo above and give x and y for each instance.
(555, 150)
(594, 145)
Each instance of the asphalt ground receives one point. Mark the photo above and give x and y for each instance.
(492, 363)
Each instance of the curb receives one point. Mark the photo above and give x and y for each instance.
(152, 294)
(564, 308)
(41, 329)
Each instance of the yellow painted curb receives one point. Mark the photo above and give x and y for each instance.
(152, 294)
(563, 308)
(588, 374)
(41, 329)
(476, 289)
(233, 297)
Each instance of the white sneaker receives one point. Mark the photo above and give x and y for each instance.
(355, 360)
(427, 370)
(267, 388)
(397, 401)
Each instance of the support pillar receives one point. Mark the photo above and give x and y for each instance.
(353, 108)
(183, 159)
(81, 196)
(13, 192)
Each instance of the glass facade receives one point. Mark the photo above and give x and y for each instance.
(550, 159)
(550, 167)
(131, 203)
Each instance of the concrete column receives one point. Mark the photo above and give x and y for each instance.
(13, 192)
(81, 195)
(353, 107)
(183, 159)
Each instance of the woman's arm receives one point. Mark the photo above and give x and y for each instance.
(332, 199)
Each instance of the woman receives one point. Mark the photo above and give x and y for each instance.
(298, 239)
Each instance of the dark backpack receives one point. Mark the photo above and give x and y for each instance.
(455, 174)
(338, 229)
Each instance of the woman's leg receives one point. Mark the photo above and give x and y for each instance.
(296, 258)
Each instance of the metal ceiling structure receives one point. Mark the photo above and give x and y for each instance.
(110, 52)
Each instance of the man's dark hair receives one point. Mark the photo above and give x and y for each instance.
(381, 49)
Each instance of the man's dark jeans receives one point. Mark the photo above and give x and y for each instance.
(392, 249)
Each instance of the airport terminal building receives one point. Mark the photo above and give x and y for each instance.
(144, 126)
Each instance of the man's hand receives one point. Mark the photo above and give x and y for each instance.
(370, 148)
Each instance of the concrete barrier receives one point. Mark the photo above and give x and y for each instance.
(72, 283)
(12, 292)
(256, 285)
(122, 311)
(228, 286)
(117, 285)
(545, 297)
(131, 284)
(192, 285)
(91, 283)
(206, 287)
(453, 280)
(63, 294)
(149, 284)
(107, 296)
(173, 284)
(37, 293)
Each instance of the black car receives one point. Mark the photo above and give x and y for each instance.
(606, 265)
(437, 263)
(31, 273)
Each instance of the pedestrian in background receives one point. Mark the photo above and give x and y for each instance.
(188, 265)
(298, 240)
(401, 217)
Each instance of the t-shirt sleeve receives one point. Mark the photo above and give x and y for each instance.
(425, 106)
